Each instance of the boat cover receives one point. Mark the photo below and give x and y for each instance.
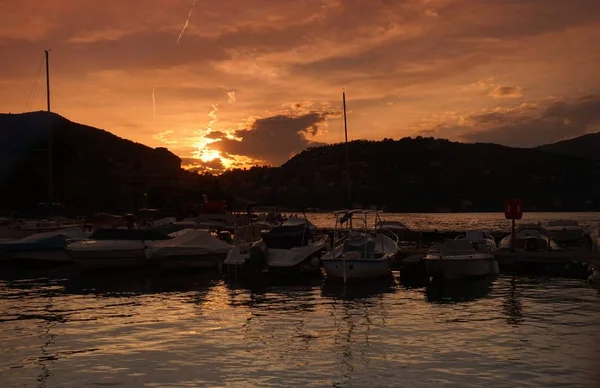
(194, 242)
(128, 234)
(44, 241)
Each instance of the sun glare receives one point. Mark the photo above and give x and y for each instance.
(204, 155)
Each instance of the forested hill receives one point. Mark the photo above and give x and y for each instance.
(94, 170)
(424, 174)
(586, 146)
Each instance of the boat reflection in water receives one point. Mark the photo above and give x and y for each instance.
(512, 306)
(349, 291)
(132, 283)
(459, 291)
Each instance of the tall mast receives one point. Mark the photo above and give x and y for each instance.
(347, 155)
(47, 79)
(49, 133)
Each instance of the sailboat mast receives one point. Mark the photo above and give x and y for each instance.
(47, 79)
(49, 133)
(347, 154)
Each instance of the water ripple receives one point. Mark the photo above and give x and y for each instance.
(194, 330)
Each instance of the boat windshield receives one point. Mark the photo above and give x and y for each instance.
(287, 236)
(531, 232)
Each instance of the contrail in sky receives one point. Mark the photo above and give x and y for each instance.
(154, 99)
(187, 21)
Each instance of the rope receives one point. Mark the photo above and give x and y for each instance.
(31, 96)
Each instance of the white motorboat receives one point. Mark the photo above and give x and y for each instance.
(458, 259)
(42, 249)
(530, 238)
(294, 247)
(480, 240)
(363, 253)
(115, 248)
(565, 231)
(190, 250)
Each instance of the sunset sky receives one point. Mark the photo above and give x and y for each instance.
(238, 82)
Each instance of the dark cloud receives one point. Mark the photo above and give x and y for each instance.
(446, 47)
(507, 91)
(548, 123)
(215, 135)
(274, 139)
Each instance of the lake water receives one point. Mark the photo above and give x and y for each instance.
(195, 330)
(66, 329)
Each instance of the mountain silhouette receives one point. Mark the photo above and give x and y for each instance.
(95, 170)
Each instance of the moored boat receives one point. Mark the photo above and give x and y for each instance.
(40, 250)
(565, 231)
(190, 250)
(458, 259)
(115, 248)
(530, 238)
(364, 253)
(292, 248)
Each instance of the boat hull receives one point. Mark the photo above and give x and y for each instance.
(283, 262)
(356, 270)
(110, 259)
(452, 268)
(299, 260)
(36, 258)
(182, 262)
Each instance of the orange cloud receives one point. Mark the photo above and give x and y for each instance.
(507, 91)
(401, 62)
